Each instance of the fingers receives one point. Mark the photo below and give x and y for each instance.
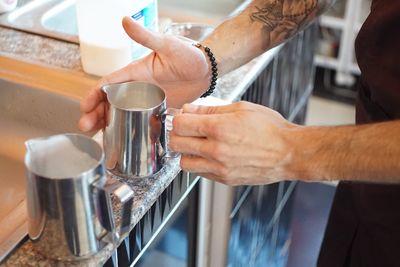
(141, 35)
(90, 102)
(200, 165)
(196, 125)
(209, 169)
(90, 121)
(136, 71)
(101, 124)
(192, 145)
(190, 108)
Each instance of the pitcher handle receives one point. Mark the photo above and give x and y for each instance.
(103, 191)
(167, 118)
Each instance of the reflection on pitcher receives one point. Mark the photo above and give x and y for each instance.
(134, 139)
(70, 216)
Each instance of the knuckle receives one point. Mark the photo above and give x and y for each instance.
(219, 132)
(210, 109)
(218, 153)
(224, 173)
(214, 127)
(206, 128)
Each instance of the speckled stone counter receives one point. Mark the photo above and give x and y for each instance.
(56, 54)
(146, 192)
(39, 50)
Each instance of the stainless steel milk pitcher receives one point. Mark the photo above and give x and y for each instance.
(135, 138)
(70, 216)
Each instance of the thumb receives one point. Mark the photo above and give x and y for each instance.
(141, 35)
(190, 108)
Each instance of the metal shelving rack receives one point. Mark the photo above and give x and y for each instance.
(349, 23)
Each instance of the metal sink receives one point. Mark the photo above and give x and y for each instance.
(51, 18)
(57, 18)
(25, 113)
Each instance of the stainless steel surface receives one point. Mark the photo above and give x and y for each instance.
(51, 18)
(25, 113)
(70, 214)
(193, 31)
(57, 18)
(135, 137)
(259, 219)
(146, 233)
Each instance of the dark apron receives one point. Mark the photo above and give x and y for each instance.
(364, 223)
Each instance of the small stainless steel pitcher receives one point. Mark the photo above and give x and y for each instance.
(69, 198)
(135, 138)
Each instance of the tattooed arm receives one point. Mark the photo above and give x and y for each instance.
(261, 26)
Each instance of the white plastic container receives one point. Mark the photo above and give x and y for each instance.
(104, 45)
(7, 5)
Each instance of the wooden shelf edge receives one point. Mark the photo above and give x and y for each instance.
(62, 81)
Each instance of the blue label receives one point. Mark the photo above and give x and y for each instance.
(139, 15)
(147, 15)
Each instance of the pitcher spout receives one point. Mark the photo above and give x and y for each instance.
(28, 146)
(63, 155)
(32, 144)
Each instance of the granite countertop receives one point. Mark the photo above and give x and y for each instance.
(62, 56)
(39, 49)
(146, 192)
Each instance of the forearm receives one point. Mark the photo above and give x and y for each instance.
(368, 153)
(261, 26)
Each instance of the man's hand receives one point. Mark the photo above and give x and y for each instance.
(244, 143)
(241, 143)
(176, 66)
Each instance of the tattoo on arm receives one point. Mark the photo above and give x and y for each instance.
(281, 19)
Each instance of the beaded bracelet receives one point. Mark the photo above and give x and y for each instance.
(214, 69)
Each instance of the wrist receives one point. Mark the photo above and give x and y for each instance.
(212, 73)
(308, 160)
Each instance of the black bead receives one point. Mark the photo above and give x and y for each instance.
(214, 72)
